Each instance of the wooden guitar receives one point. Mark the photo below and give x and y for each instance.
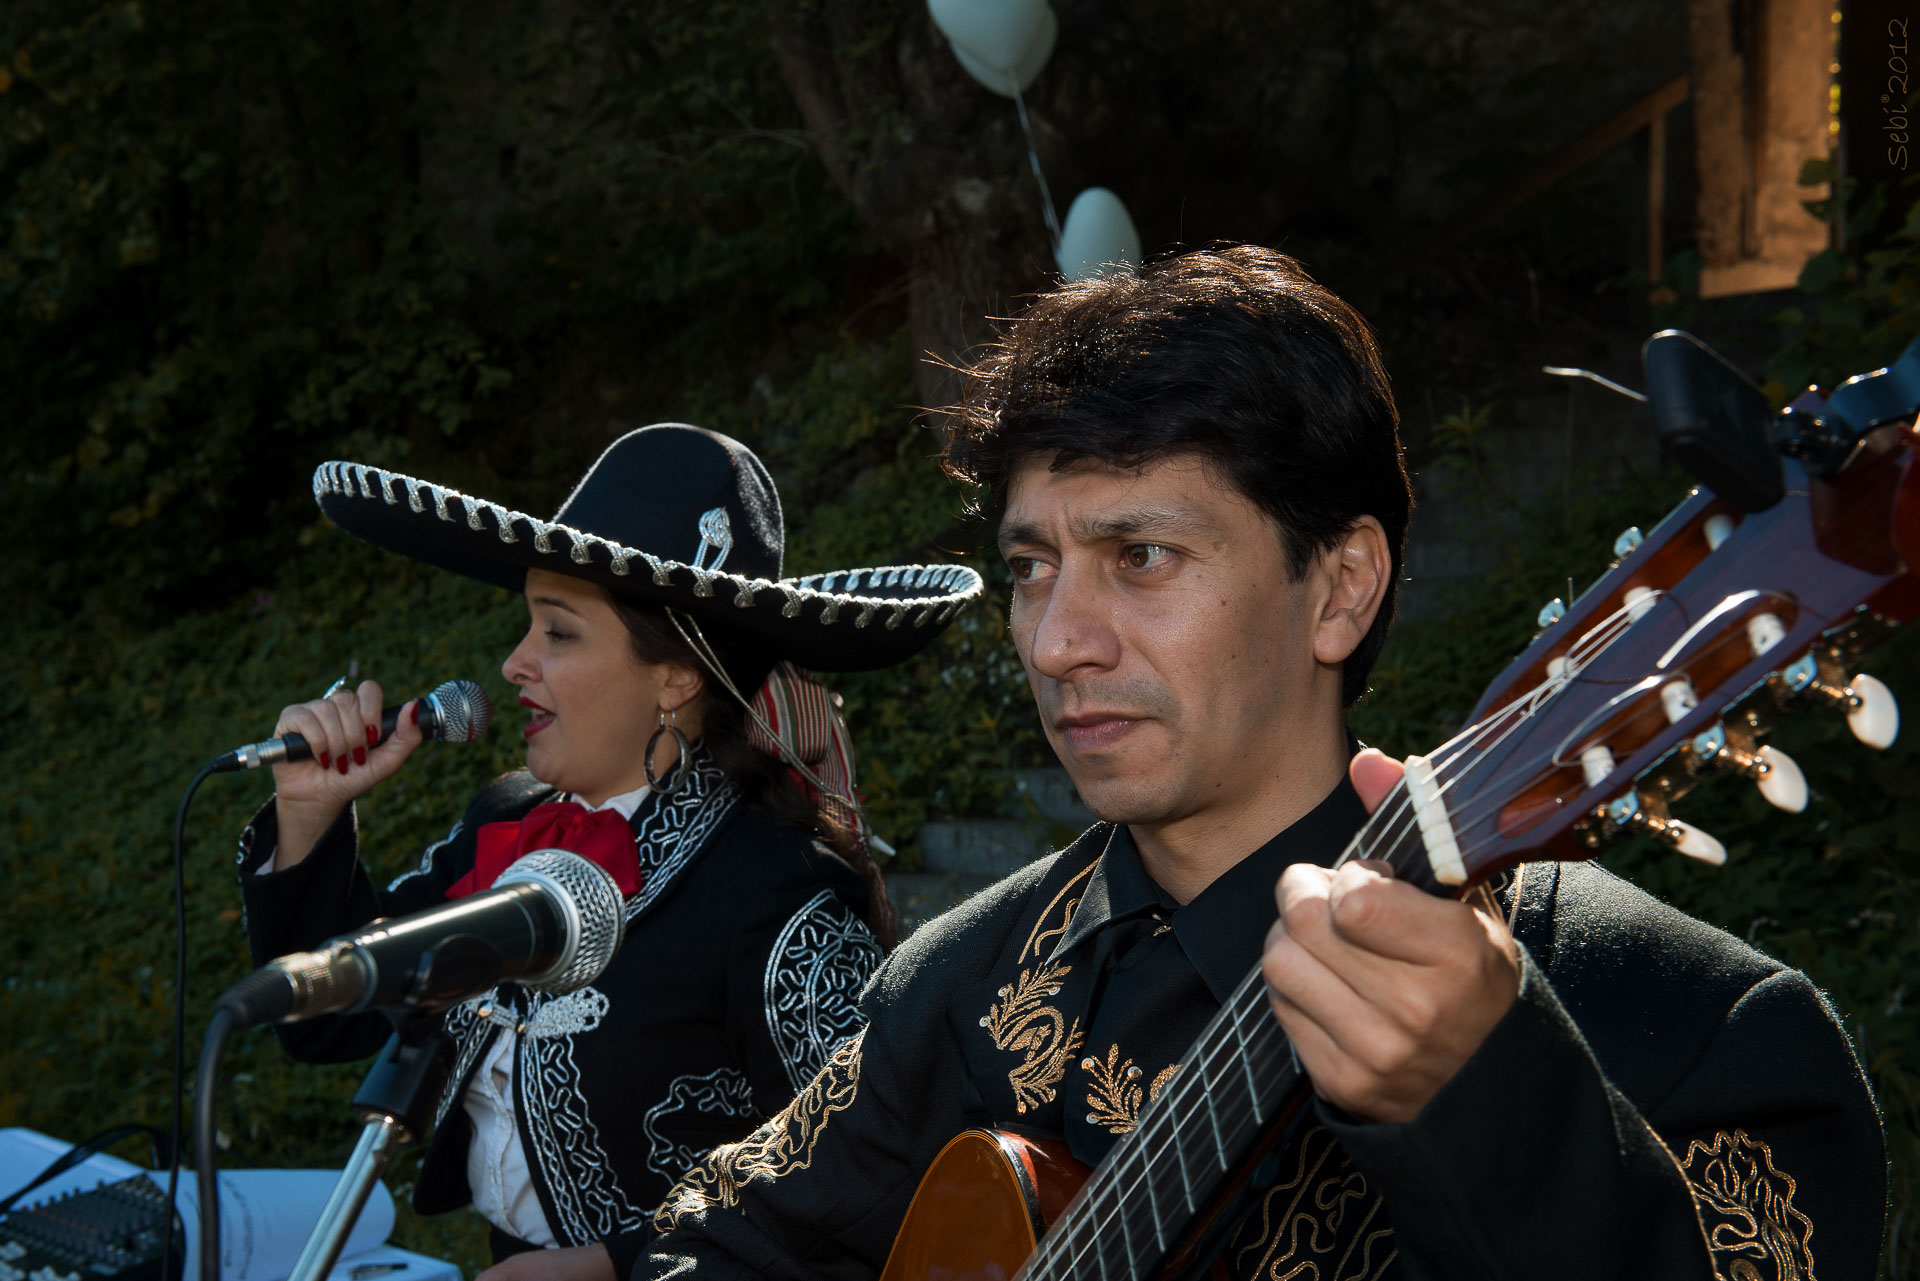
(1798, 552)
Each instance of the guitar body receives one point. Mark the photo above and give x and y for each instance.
(982, 1206)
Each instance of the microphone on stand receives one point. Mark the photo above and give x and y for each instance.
(455, 712)
(552, 921)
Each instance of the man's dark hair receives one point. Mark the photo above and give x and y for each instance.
(1234, 354)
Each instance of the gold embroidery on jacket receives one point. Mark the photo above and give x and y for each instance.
(1746, 1206)
(1321, 1223)
(1037, 1032)
(784, 1145)
(1114, 1095)
(1038, 938)
(1022, 1023)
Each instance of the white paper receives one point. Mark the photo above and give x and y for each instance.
(266, 1217)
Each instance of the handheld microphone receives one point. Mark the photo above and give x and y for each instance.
(456, 712)
(552, 921)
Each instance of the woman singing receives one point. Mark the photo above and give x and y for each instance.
(675, 738)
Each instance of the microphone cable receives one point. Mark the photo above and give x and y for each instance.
(175, 1112)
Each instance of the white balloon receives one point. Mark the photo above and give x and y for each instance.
(1098, 233)
(996, 32)
(1005, 82)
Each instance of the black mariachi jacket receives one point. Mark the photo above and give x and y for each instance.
(745, 950)
(1661, 1102)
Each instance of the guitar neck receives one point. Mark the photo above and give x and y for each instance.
(1239, 1077)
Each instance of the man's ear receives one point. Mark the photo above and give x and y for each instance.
(1356, 571)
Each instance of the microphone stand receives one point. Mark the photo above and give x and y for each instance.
(395, 1107)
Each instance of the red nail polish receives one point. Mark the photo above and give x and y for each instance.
(359, 756)
(373, 736)
(416, 711)
(343, 764)
(326, 760)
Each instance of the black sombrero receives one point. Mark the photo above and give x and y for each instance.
(675, 515)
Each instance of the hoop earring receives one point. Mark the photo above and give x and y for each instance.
(678, 774)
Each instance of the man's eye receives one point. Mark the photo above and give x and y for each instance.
(1025, 568)
(554, 633)
(1144, 555)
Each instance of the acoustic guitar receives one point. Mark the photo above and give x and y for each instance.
(1796, 554)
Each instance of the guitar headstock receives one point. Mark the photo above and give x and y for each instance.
(1676, 663)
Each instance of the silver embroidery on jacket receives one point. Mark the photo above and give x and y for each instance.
(589, 1204)
(723, 1093)
(820, 961)
(425, 865)
(676, 826)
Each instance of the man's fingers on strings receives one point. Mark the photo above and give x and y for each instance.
(1391, 919)
(1299, 979)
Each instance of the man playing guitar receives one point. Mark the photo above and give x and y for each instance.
(1204, 507)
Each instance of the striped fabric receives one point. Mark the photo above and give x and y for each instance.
(804, 716)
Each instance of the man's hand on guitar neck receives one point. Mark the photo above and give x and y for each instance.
(1384, 990)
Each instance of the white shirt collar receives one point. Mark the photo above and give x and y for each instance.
(626, 802)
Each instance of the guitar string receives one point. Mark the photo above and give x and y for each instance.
(1228, 1024)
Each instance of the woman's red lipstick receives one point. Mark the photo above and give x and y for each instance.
(541, 717)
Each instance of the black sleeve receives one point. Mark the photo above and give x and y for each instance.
(329, 893)
(794, 980)
(1530, 1162)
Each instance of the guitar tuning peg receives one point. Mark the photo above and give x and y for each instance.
(1630, 538)
(1693, 842)
(1647, 814)
(1780, 780)
(1718, 529)
(1873, 714)
(1551, 612)
(1776, 774)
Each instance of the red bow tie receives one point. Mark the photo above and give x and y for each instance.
(603, 837)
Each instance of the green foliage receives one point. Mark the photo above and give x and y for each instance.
(236, 240)
(1864, 307)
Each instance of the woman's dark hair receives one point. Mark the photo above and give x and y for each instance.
(764, 781)
(1234, 354)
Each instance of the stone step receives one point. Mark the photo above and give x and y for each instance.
(918, 897)
(1053, 794)
(990, 847)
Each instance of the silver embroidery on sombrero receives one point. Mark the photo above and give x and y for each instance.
(818, 964)
(716, 535)
(722, 1093)
(939, 589)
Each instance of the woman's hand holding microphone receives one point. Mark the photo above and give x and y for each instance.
(343, 729)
